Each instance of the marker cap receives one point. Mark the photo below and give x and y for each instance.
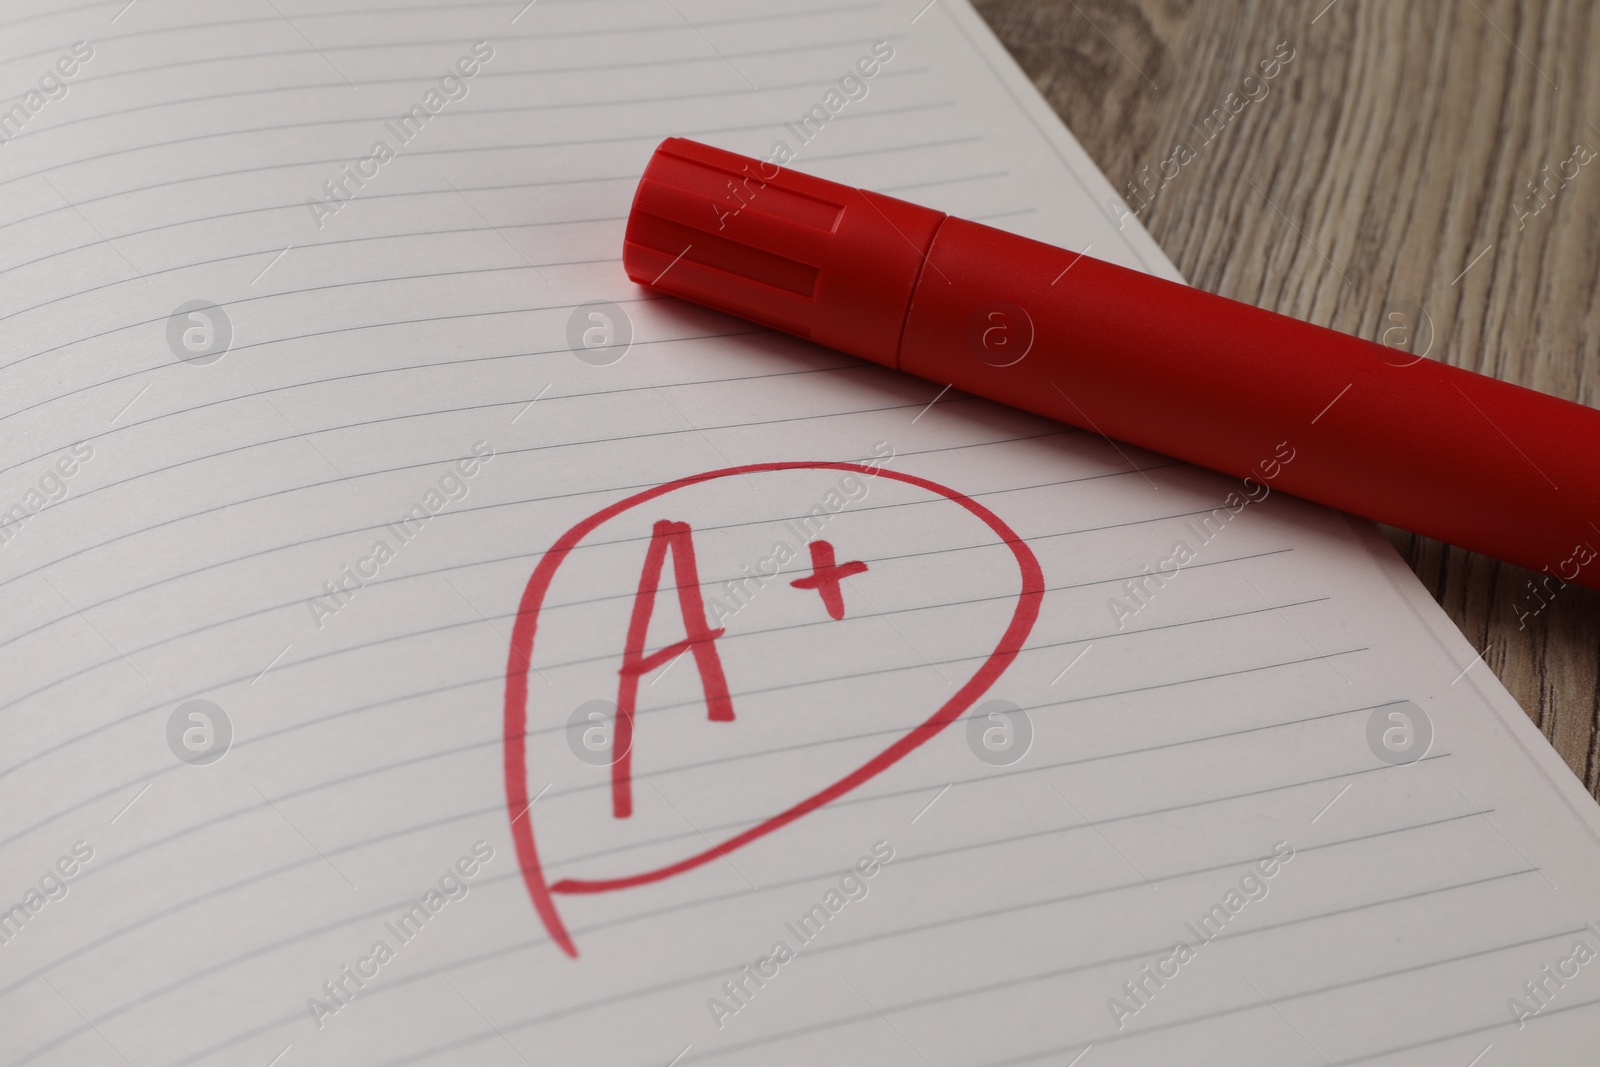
(824, 261)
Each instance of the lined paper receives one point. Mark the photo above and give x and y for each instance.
(400, 372)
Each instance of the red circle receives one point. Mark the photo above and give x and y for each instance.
(520, 661)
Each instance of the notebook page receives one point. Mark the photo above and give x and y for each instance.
(406, 366)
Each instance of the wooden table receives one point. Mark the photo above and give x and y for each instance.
(1384, 180)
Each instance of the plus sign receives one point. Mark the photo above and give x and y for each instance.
(826, 575)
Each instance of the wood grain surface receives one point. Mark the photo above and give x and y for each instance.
(1403, 171)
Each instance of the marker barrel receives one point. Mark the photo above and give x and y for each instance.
(1373, 430)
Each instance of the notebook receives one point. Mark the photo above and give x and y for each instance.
(424, 646)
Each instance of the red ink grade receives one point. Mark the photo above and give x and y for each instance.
(700, 639)
(674, 537)
(826, 576)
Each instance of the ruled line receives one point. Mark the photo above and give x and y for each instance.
(806, 878)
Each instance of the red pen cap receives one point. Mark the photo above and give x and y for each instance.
(825, 261)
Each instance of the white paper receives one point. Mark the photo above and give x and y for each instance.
(1216, 720)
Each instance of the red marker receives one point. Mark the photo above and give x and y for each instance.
(1407, 441)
